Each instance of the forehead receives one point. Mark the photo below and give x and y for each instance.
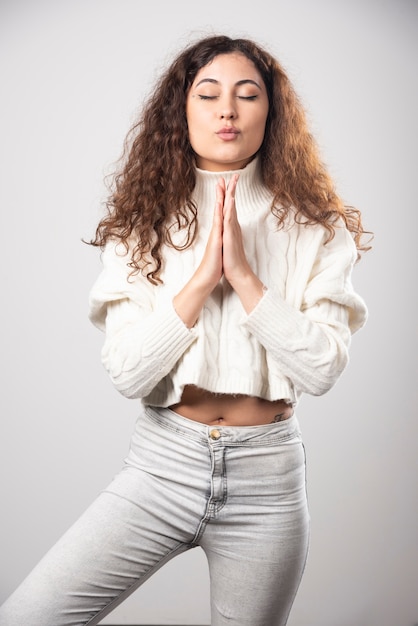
(232, 67)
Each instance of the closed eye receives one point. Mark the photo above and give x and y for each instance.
(202, 97)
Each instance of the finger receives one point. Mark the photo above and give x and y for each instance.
(220, 192)
(221, 185)
(232, 184)
(219, 203)
(229, 204)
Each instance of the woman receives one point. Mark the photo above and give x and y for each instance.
(225, 294)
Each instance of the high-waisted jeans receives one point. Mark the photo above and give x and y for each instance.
(237, 492)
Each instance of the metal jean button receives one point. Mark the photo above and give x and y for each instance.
(215, 434)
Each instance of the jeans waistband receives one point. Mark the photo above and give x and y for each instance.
(263, 434)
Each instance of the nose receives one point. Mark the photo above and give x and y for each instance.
(227, 110)
(228, 115)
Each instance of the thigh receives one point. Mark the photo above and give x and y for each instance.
(257, 543)
(256, 589)
(149, 513)
(107, 554)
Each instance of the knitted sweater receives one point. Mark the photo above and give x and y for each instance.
(294, 341)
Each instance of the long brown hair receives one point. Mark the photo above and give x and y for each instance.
(156, 176)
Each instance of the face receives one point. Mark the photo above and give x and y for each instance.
(226, 108)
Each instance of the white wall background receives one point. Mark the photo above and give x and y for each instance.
(73, 74)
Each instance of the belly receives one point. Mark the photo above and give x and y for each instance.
(230, 410)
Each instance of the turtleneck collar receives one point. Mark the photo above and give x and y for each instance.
(251, 194)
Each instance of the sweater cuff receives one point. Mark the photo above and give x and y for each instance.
(168, 336)
(262, 321)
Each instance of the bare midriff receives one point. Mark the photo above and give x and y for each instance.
(230, 409)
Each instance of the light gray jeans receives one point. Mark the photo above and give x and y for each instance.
(237, 492)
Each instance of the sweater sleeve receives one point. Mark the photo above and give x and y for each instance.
(309, 344)
(143, 341)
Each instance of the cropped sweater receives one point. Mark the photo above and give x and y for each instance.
(294, 341)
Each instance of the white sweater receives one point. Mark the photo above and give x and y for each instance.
(295, 340)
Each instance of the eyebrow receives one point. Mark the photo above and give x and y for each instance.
(245, 81)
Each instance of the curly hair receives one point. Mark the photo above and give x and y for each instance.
(145, 195)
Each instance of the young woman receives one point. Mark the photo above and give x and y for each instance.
(225, 293)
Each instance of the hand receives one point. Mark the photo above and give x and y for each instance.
(189, 302)
(236, 268)
(235, 264)
(224, 255)
(210, 269)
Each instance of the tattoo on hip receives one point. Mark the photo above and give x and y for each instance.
(278, 417)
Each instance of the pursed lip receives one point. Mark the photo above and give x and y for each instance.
(227, 130)
(227, 133)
